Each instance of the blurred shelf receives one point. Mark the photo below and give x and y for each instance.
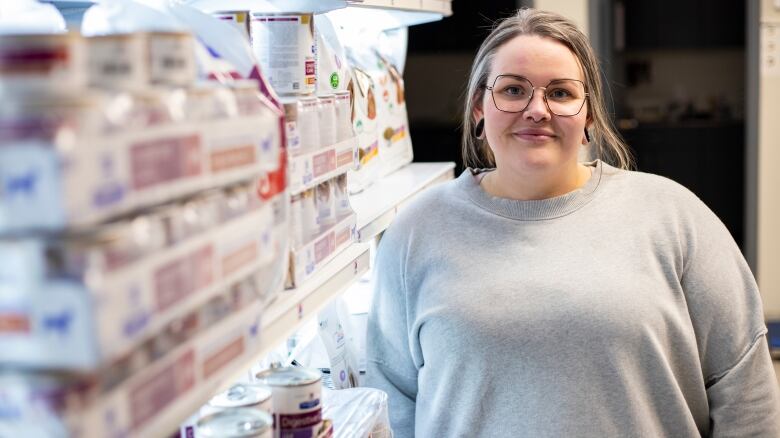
(156, 401)
(376, 207)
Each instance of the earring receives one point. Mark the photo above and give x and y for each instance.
(587, 136)
(479, 129)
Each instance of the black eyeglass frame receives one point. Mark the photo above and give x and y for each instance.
(533, 90)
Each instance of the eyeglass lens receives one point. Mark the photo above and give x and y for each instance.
(564, 97)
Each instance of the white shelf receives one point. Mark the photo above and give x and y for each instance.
(443, 7)
(440, 7)
(377, 206)
(293, 307)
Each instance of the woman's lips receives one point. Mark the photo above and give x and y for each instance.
(534, 135)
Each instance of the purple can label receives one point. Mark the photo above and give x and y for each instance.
(300, 425)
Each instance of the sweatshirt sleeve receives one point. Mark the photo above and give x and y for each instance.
(728, 318)
(389, 365)
(744, 402)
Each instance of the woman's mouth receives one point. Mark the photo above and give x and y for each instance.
(534, 135)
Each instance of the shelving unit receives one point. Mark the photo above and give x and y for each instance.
(157, 397)
(377, 206)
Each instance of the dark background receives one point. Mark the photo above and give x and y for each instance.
(676, 79)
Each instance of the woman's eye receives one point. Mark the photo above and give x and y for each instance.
(559, 93)
(514, 91)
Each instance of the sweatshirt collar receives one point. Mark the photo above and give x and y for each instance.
(540, 209)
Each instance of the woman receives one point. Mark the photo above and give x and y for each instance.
(545, 297)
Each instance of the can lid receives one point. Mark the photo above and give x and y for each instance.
(241, 395)
(288, 376)
(235, 423)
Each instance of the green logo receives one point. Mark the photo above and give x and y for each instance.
(334, 80)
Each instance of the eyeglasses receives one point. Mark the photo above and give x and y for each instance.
(513, 94)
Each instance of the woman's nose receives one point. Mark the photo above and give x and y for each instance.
(537, 109)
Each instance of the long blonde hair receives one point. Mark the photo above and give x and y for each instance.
(610, 147)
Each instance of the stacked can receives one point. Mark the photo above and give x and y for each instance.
(285, 47)
(296, 401)
(315, 210)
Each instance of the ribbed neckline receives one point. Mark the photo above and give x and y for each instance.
(532, 210)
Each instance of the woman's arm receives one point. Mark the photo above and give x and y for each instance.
(390, 366)
(727, 315)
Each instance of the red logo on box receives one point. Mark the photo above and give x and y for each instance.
(14, 323)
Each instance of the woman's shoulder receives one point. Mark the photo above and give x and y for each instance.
(650, 186)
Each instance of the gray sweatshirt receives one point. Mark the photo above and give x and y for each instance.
(621, 309)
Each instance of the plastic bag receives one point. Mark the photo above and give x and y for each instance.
(333, 72)
(29, 16)
(357, 412)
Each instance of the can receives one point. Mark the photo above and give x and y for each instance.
(326, 205)
(341, 196)
(310, 225)
(236, 423)
(118, 62)
(237, 19)
(326, 113)
(296, 400)
(45, 62)
(309, 124)
(285, 46)
(292, 132)
(296, 221)
(244, 396)
(343, 116)
(247, 94)
(172, 58)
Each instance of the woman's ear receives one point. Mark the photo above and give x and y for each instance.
(476, 113)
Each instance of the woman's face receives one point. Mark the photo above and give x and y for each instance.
(533, 140)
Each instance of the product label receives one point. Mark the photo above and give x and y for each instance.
(156, 392)
(283, 46)
(172, 59)
(232, 158)
(300, 425)
(180, 278)
(324, 247)
(345, 158)
(33, 60)
(14, 323)
(165, 159)
(324, 162)
(239, 258)
(342, 237)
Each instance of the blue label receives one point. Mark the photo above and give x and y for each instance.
(108, 194)
(21, 184)
(135, 324)
(58, 322)
(310, 404)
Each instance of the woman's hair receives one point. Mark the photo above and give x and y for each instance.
(610, 146)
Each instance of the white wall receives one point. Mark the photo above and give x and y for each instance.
(575, 10)
(768, 166)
